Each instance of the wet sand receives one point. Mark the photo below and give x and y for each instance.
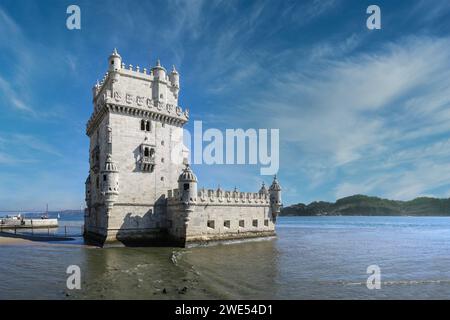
(10, 240)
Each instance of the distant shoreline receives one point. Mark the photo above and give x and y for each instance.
(362, 205)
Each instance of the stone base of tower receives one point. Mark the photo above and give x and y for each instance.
(194, 241)
(133, 238)
(160, 238)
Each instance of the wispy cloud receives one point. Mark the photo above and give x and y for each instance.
(351, 115)
(22, 68)
(16, 149)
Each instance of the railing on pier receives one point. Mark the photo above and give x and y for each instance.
(65, 231)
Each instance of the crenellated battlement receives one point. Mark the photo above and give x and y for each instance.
(219, 196)
(138, 73)
(155, 75)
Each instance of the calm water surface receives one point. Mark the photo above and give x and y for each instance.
(312, 258)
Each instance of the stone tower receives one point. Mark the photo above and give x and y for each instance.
(136, 151)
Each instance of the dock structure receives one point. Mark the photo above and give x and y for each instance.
(28, 223)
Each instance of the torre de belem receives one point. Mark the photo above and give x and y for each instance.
(140, 190)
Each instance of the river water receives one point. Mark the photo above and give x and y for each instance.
(311, 258)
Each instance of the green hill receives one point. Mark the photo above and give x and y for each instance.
(371, 206)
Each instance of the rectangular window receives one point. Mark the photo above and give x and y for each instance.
(241, 223)
(226, 223)
(266, 222)
(255, 223)
(210, 224)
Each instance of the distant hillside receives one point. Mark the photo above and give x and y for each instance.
(371, 206)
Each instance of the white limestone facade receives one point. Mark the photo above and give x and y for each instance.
(139, 190)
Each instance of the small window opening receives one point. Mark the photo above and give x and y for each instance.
(266, 222)
(226, 223)
(241, 223)
(186, 186)
(210, 224)
(255, 223)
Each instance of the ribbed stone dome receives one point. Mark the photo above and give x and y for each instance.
(263, 189)
(275, 185)
(187, 175)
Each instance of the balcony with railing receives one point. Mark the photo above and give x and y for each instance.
(147, 164)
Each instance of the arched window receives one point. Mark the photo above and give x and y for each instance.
(142, 124)
(146, 152)
(147, 127)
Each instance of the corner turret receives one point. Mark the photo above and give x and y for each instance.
(159, 71)
(275, 198)
(110, 182)
(174, 78)
(187, 185)
(115, 61)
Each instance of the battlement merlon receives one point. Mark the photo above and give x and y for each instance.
(219, 196)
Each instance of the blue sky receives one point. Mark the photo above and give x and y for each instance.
(359, 111)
